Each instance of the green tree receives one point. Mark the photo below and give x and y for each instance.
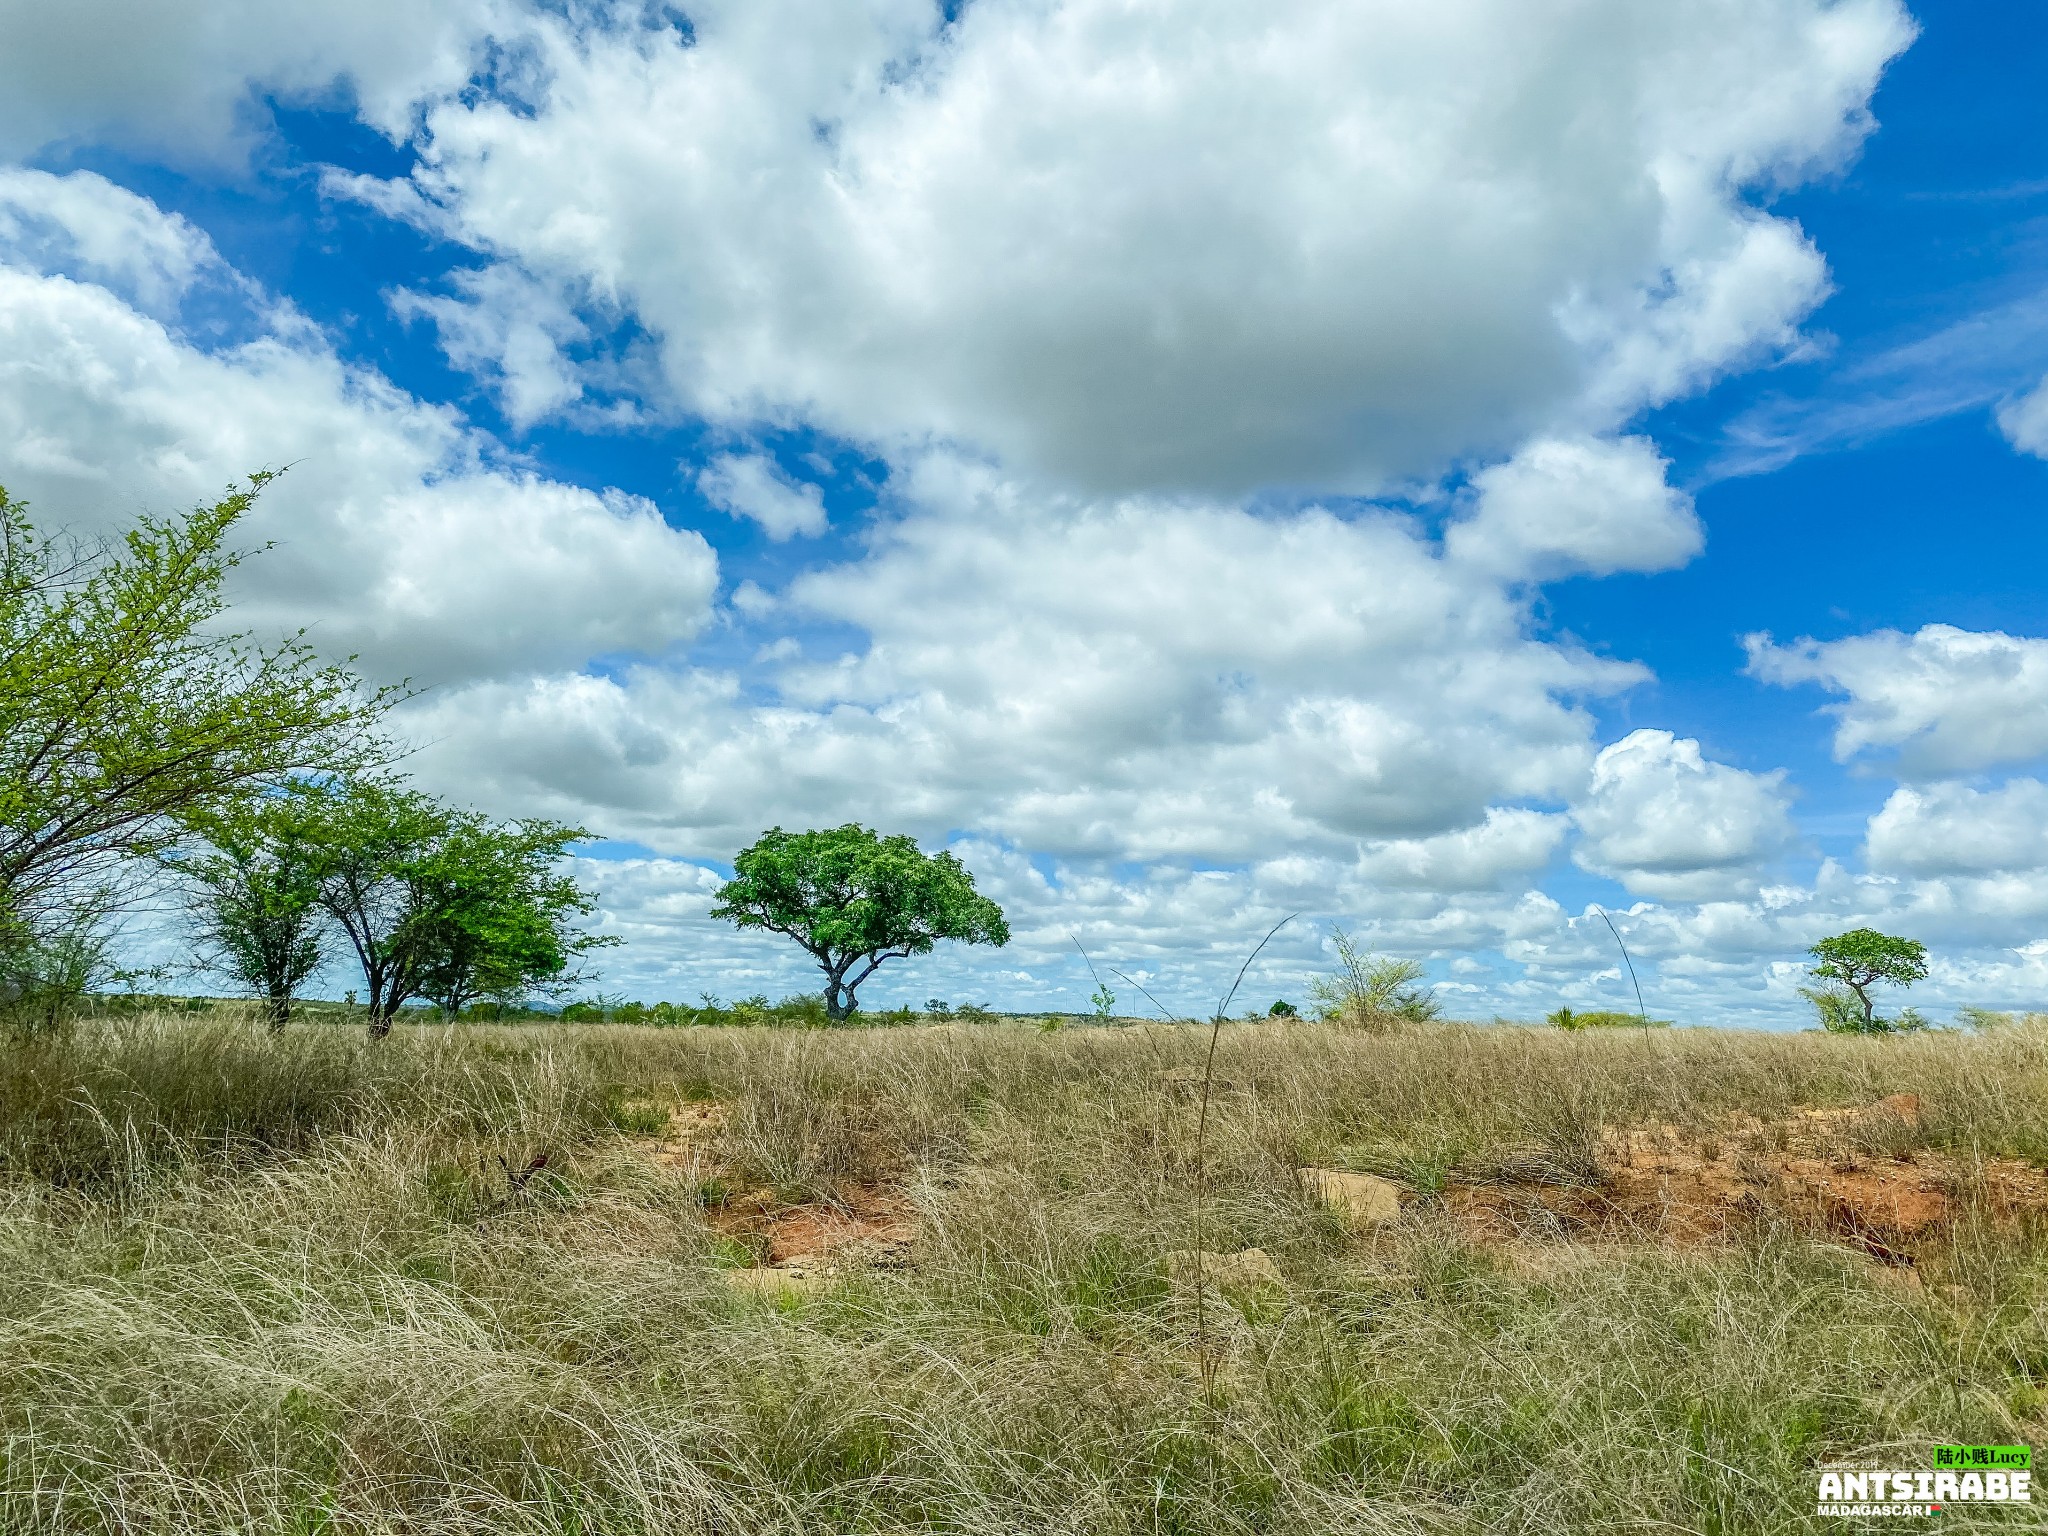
(370, 836)
(256, 883)
(442, 903)
(1859, 960)
(854, 899)
(123, 708)
(496, 916)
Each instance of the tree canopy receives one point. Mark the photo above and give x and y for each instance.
(495, 916)
(122, 708)
(255, 880)
(853, 899)
(1862, 958)
(443, 903)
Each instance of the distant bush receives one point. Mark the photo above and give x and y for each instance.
(1986, 1018)
(1841, 1012)
(44, 978)
(1603, 1018)
(1372, 991)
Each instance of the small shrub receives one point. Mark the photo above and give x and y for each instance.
(1602, 1018)
(1987, 1018)
(1841, 1013)
(45, 978)
(1375, 992)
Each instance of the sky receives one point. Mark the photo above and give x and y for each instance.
(1463, 472)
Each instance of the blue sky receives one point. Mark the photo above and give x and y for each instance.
(1199, 464)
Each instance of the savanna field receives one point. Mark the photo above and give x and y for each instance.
(974, 1277)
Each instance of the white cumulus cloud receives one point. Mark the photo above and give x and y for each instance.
(87, 227)
(1201, 245)
(1943, 700)
(1955, 829)
(1669, 822)
(1560, 507)
(175, 76)
(2024, 421)
(1136, 678)
(754, 485)
(396, 537)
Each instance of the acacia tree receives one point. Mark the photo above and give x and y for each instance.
(496, 916)
(443, 903)
(854, 899)
(1864, 957)
(368, 835)
(123, 710)
(255, 881)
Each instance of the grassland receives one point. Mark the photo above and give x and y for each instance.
(607, 1279)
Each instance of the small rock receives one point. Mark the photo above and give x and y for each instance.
(1246, 1270)
(1360, 1198)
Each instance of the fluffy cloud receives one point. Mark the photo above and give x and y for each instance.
(396, 537)
(2024, 421)
(1199, 245)
(1562, 507)
(753, 485)
(176, 76)
(1945, 700)
(1953, 829)
(507, 329)
(85, 226)
(1130, 679)
(1507, 845)
(1667, 822)
(1158, 255)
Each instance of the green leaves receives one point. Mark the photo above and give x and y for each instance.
(256, 894)
(436, 902)
(853, 899)
(1859, 959)
(1374, 991)
(122, 710)
(493, 917)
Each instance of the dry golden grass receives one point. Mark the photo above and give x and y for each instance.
(479, 1280)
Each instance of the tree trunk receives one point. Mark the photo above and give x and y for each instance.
(1863, 997)
(838, 996)
(279, 1012)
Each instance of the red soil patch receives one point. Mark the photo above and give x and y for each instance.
(1814, 1169)
(685, 1143)
(864, 1225)
(868, 1225)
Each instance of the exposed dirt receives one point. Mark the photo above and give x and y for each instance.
(1822, 1169)
(1854, 1175)
(685, 1144)
(864, 1227)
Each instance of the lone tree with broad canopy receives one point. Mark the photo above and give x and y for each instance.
(853, 899)
(1863, 957)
